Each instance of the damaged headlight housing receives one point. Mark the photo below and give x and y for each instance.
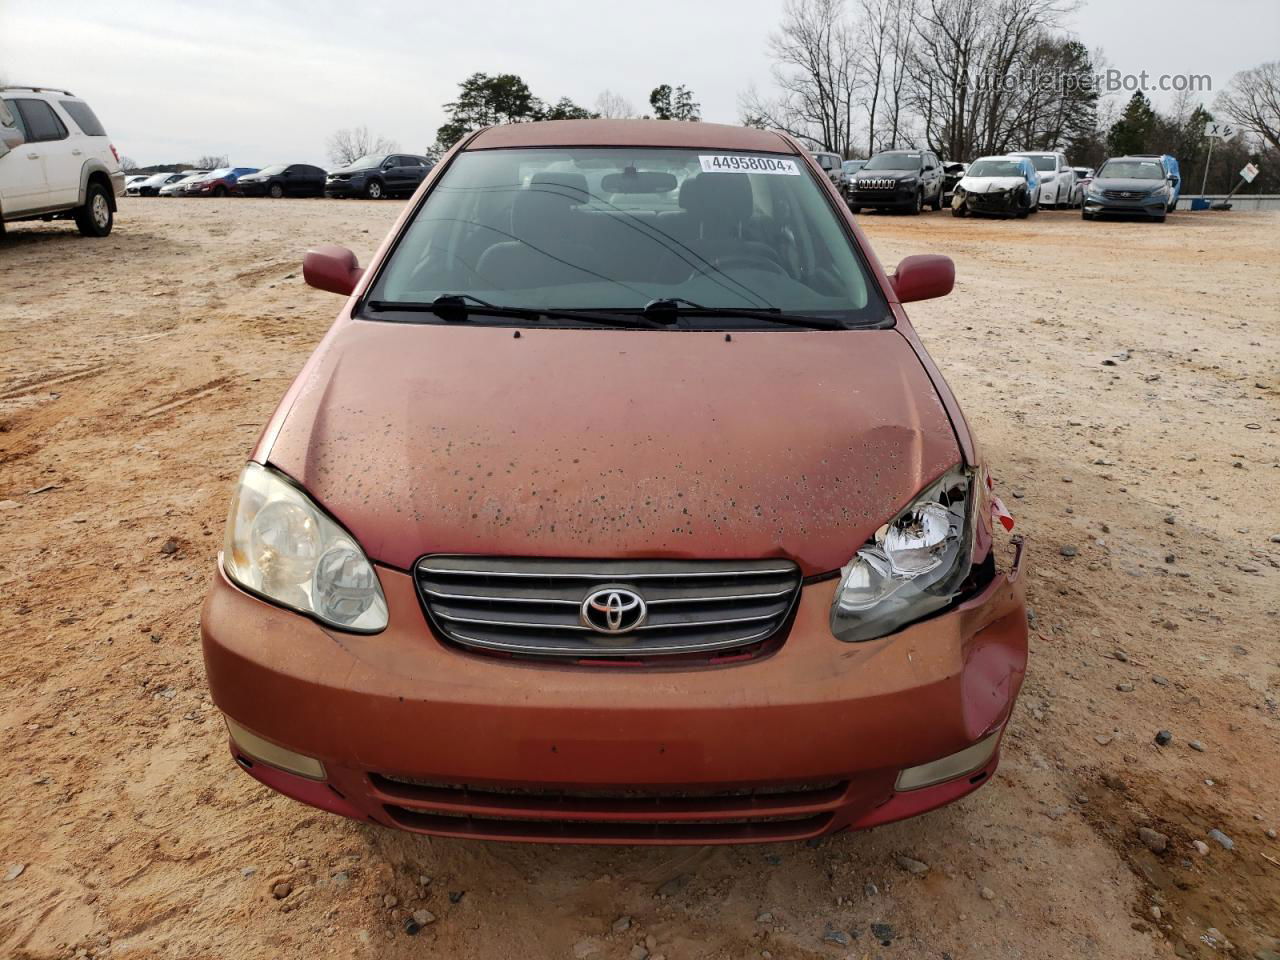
(283, 547)
(913, 566)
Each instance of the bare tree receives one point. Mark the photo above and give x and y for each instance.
(350, 144)
(128, 164)
(212, 161)
(901, 23)
(817, 71)
(1252, 99)
(614, 106)
(974, 71)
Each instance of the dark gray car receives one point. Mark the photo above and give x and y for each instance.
(378, 175)
(898, 180)
(1132, 186)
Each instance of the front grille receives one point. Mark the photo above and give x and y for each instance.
(1124, 195)
(534, 607)
(877, 183)
(699, 814)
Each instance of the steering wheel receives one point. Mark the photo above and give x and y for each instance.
(747, 260)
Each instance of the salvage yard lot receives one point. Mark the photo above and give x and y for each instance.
(1123, 379)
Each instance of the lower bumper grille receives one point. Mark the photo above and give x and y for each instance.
(606, 609)
(699, 815)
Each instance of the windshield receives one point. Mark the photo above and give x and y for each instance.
(607, 229)
(1132, 170)
(368, 160)
(853, 166)
(996, 168)
(894, 161)
(272, 171)
(1044, 163)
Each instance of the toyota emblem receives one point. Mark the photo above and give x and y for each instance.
(613, 610)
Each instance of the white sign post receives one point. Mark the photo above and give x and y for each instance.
(1218, 130)
(1246, 176)
(1215, 130)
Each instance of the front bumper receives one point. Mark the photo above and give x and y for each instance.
(1005, 203)
(1151, 206)
(900, 198)
(808, 740)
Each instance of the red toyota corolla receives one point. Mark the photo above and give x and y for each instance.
(620, 504)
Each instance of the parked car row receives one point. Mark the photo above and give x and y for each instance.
(1016, 184)
(374, 176)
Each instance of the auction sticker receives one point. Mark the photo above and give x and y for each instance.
(735, 163)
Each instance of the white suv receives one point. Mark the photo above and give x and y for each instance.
(56, 161)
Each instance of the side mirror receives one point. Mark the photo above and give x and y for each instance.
(923, 277)
(332, 268)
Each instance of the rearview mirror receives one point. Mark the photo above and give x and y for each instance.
(638, 181)
(332, 268)
(923, 277)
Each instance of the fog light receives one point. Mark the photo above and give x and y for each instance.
(948, 768)
(273, 755)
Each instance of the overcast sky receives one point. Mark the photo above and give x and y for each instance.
(268, 81)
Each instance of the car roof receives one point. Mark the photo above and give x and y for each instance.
(629, 133)
(1004, 156)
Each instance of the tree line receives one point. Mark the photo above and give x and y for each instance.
(484, 100)
(972, 77)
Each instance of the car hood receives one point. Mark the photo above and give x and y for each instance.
(877, 174)
(991, 184)
(1125, 183)
(422, 438)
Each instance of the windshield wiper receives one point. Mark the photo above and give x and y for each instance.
(669, 310)
(459, 307)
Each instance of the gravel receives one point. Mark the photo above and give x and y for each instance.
(1154, 840)
(915, 867)
(1226, 842)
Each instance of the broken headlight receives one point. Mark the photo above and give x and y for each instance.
(913, 566)
(284, 548)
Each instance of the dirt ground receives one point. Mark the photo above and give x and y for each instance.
(1125, 382)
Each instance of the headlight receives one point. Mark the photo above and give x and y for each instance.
(282, 546)
(913, 565)
(908, 181)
